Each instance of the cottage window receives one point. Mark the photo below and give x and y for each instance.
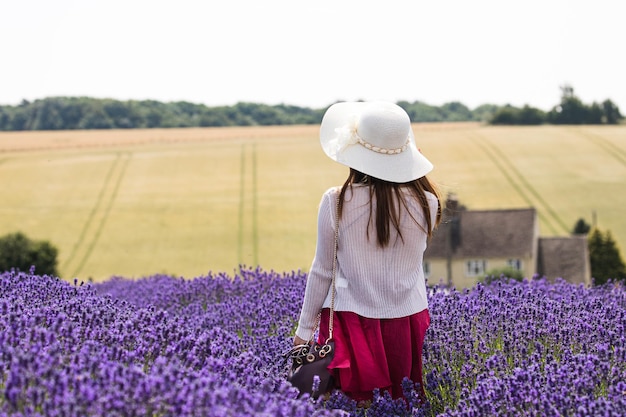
(476, 267)
(515, 264)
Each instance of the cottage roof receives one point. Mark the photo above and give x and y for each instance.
(564, 257)
(485, 233)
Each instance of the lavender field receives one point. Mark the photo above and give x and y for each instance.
(211, 346)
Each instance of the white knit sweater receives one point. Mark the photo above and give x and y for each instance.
(371, 281)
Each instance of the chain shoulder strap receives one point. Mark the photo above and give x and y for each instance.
(334, 291)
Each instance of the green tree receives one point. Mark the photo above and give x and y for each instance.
(612, 115)
(456, 112)
(504, 116)
(567, 111)
(121, 114)
(595, 114)
(485, 112)
(571, 111)
(5, 117)
(531, 116)
(265, 115)
(581, 227)
(506, 272)
(215, 118)
(421, 112)
(510, 115)
(606, 261)
(23, 116)
(19, 252)
(48, 114)
(299, 115)
(96, 118)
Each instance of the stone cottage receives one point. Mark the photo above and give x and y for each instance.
(470, 243)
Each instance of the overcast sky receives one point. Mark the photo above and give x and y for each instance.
(313, 53)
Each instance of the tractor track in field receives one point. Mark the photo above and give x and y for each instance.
(241, 239)
(603, 143)
(92, 214)
(255, 209)
(104, 204)
(520, 184)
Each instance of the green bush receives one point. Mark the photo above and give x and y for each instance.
(503, 273)
(21, 253)
(605, 258)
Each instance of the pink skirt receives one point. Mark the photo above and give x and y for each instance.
(375, 353)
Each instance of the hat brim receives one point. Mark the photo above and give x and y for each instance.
(406, 166)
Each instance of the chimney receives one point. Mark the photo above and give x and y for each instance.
(452, 206)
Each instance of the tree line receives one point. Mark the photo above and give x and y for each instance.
(70, 113)
(570, 111)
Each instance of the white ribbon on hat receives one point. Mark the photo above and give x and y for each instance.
(346, 136)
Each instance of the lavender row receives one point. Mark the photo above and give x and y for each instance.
(161, 346)
(532, 348)
(173, 347)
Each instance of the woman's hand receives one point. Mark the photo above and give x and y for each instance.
(298, 341)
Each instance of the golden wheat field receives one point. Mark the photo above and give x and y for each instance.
(188, 201)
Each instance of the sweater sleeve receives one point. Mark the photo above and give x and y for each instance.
(433, 203)
(320, 275)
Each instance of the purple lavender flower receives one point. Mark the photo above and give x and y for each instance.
(212, 345)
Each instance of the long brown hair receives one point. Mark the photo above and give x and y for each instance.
(387, 194)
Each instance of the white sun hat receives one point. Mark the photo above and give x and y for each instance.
(374, 138)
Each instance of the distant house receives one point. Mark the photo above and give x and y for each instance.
(565, 257)
(470, 243)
